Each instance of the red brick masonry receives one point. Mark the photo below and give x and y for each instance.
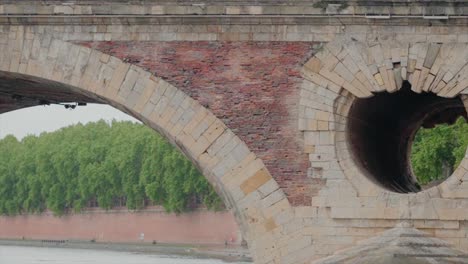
(201, 227)
(252, 86)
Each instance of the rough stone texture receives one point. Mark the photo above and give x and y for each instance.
(358, 57)
(77, 72)
(210, 7)
(350, 193)
(251, 87)
(399, 245)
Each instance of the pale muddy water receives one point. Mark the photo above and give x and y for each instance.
(39, 255)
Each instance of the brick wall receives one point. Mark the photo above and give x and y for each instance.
(201, 227)
(251, 86)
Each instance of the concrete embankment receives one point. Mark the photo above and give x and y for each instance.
(229, 253)
(201, 233)
(122, 226)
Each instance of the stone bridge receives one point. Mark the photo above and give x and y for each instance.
(300, 113)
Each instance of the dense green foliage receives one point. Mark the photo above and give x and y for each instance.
(98, 163)
(436, 152)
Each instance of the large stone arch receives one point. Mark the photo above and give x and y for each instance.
(78, 73)
(340, 73)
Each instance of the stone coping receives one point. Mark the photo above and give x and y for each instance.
(266, 12)
(215, 7)
(241, 19)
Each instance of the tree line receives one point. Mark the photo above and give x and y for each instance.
(98, 164)
(127, 164)
(437, 152)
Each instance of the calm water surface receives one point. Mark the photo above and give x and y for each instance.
(33, 255)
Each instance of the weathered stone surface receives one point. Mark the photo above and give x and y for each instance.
(431, 55)
(259, 98)
(254, 182)
(359, 198)
(399, 245)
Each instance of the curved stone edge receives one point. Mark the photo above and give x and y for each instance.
(351, 207)
(348, 69)
(366, 68)
(241, 178)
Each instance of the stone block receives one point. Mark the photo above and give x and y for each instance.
(270, 224)
(427, 84)
(305, 212)
(267, 188)
(322, 126)
(431, 55)
(341, 70)
(283, 217)
(299, 243)
(461, 86)
(379, 79)
(414, 81)
(331, 76)
(254, 182)
(277, 208)
(233, 10)
(273, 198)
(128, 83)
(117, 79)
(411, 65)
(313, 65)
(356, 91)
(392, 82)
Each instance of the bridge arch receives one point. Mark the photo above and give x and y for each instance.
(38, 69)
(341, 73)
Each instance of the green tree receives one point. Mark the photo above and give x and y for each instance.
(436, 152)
(103, 163)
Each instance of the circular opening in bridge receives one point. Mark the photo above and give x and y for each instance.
(381, 130)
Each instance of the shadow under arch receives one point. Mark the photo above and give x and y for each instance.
(65, 72)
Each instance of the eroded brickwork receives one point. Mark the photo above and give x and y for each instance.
(251, 86)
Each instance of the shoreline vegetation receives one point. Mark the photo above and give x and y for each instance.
(229, 253)
(436, 152)
(100, 164)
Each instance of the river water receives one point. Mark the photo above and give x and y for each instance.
(39, 255)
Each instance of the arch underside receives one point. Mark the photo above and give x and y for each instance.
(19, 91)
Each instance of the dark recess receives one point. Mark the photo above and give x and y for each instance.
(381, 129)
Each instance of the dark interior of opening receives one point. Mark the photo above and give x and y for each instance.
(381, 128)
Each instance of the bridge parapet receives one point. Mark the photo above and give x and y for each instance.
(214, 7)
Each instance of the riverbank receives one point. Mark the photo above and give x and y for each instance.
(120, 225)
(229, 253)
